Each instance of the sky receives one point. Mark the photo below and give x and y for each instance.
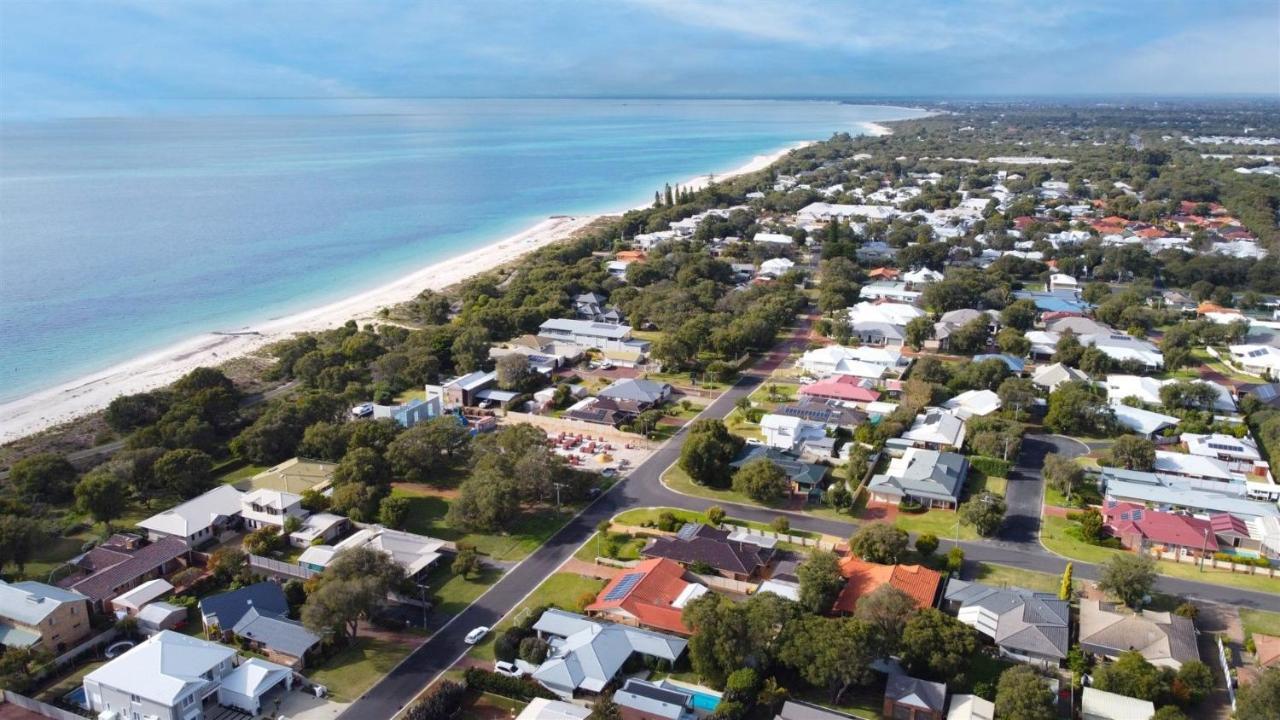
(77, 57)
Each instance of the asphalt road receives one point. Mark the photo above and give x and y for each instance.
(1017, 546)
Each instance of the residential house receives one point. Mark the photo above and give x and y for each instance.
(953, 320)
(1266, 393)
(888, 290)
(642, 700)
(1098, 704)
(651, 594)
(908, 698)
(122, 563)
(1054, 302)
(586, 655)
(1060, 283)
(883, 273)
(862, 578)
(776, 267)
(1147, 390)
(411, 413)
(544, 709)
(591, 306)
(927, 477)
(971, 403)
(1175, 493)
(1232, 533)
(788, 432)
(1263, 360)
(259, 615)
(1164, 639)
(1050, 377)
(1027, 626)
(1015, 364)
(415, 553)
(1146, 423)
(645, 394)
(39, 616)
(918, 279)
(171, 676)
(158, 616)
(464, 390)
(843, 389)
(731, 554)
(1240, 454)
(273, 508)
(862, 361)
(132, 602)
(793, 710)
(936, 429)
(587, 334)
(1141, 529)
(805, 478)
(971, 707)
(1125, 348)
(773, 238)
(197, 521)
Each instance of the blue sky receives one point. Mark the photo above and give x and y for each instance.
(109, 56)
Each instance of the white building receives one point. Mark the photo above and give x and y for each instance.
(1059, 281)
(773, 238)
(862, 361)
(198, 520)
(415, 553)
(936, 430)
(1050, 377)
(776, 267)
(787, 433)
(894, 313)
(1261, 360)
(973, 402)
(1101, 705)
(888, 290)
(917, 279)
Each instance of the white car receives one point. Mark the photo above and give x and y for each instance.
(507, 668)
(476, 635)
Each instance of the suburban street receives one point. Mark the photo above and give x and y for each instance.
(1017, 546)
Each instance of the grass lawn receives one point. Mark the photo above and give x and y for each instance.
(641, 515)
(236, 472)
(679, 480)
(486, 706)
(1260, 621)
(980, 482)
(1056, 535)
(739, 425)
(453, 593)
(427, 517)
(355, 669)
(937, 521)
(1005, 576)
(560, 590)
(411, 394)
(66, 683)
(628, 547)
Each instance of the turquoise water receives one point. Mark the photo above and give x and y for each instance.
(119, 236)
(704, 702)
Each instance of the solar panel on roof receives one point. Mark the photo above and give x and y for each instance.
(1124, 516)
(1112, 503)
(624, 586)
(1137, 515)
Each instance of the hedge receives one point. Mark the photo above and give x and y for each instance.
(481, 680)
(989, 466)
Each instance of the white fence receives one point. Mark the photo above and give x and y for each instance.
(280, 568)
(1226, 672)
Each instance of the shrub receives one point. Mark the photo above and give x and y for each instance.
(507, 647)
(781, 524)
(667, 521)
(927, 544)
(715, 514)
(911, 506)
(481, 680)
(992, 467)
(533, 649)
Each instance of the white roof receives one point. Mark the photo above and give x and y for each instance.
(776, 266)
(1101, 705)
(769, 237)
(788, 590)
(923, 275)
(773, 421)
(157, 612)
(266, 497)
(1146, 389)
(1063, 279)
(1191, 465)
(1053, 375)
(196, 514)
(691, 591)
(1218, 444)
(973, 402)
(318, 555)
(163, 668)
(1257, 355)
(30, 602)
(255, 677)
(413, 552)
(143, 594)
(971, 707)
(1142, 421)
(935, 426)
(544, 709)
(887, 312)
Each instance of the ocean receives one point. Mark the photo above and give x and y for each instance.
(120, 236)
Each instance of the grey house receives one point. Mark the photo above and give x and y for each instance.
(586, 654)
(929, 477)
(1028, 626)
(642, 700)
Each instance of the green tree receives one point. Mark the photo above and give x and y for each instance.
(761, 480)
(1017, 395)
(879, 543)
(707, 452)
(19, 538)
(983, 512)
(1131, 675)
(1193, 682)
(917, 331)
(429, 451)
(926, 544)
(1259, 699)
(43, 477)
(936, 645)
(467, 562)
(103, 495)
(137, 467)
(512, 371)
(187, 473)
(1128, 577)
(955, 559)
(886, 609)
(1091, 526)
(352, 587)
(470, 349)
(1065, 587)
(364, 466)
(325, 441)
(1022, 694)
(972, 337)
(831, 653)
(1064, 474)
(1013, 341)
(393, 511)
(1019, 315)
(1133, 453)
(820, 581)
(1170, 712)
(1075, 409)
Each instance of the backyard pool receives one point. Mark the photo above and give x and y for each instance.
(77, 698)
(704, 699)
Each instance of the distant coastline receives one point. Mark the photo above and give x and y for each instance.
(67, 401)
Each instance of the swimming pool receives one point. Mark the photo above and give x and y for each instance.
(77, 698)
(704, 699)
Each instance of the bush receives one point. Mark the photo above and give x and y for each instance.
(911, 506)
(927, 544)
(715, 515)
(781, 524)
(533, 649)
(667, 521)
(440, 703)
(524, 689)
(507, 647)
(989, 466)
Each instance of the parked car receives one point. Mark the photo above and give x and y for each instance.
(362, 410)
(507, 668)
(476, 635)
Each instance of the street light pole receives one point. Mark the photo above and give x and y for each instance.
(1204, 548)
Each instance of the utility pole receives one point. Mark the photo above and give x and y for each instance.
(558, 486)
(1204, 548)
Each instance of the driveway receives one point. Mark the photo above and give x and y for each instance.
(1024, 494)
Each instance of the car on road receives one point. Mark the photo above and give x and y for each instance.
(477, 634)
(507, 668)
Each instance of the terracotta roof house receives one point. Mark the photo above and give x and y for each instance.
(1028, 626)
(729, 554)
(1164, 639)
(883, 273)
(122, 563)
(908, 698)
(844, 388)
(1139, 528)
(862, 578)
(1266, 649)
(651, 594)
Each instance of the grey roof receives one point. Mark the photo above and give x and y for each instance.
(797, 471)
(696, 542)
(1162, 638)
(276, 632)
(645, 391)
(1027, 621)
(653, 700)
(31, 602)
(876, 327)
(792, 710)
(226, 609)
(929, 473)
(589, 654)
(1170, 491)
(561, 326)
(917, 693)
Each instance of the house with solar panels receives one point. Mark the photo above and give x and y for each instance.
(653, 594)
(586, 655)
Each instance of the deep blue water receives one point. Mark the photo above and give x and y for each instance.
(119, 236)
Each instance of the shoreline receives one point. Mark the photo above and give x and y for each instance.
(65, 402)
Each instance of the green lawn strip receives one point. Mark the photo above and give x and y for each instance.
(628, 548)
(560, 590)
(487, 705)
(678, 480)
(981, 482)
(64, 684)
(939, 522)
(641, 515)
(427, 513)
(355, 669)
(1006, 576)
(238, 471)
(408, 395)
(857, 701)
(1259, 621)
(453, 593)
(1056, 535)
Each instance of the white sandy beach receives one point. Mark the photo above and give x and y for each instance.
(54, 406)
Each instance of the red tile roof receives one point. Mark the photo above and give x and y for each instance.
(1225, 522)
(650, 598)
(862, 577)
(1158, 527)
(884, 272)
(1152, 232)
(842, 387)
(1268, 649)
